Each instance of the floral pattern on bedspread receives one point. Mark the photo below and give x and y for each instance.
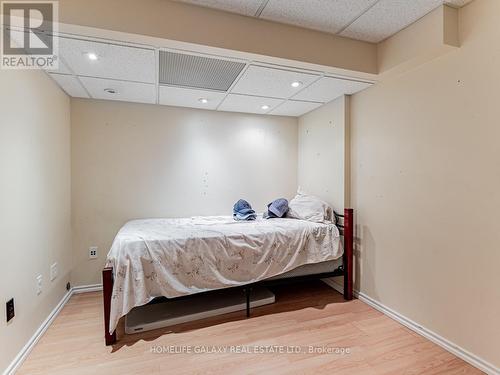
(176, 257)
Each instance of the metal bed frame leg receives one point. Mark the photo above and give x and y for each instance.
(107, 291)
(247, 295)
(348, 253)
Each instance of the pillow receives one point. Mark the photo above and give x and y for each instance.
(311, 208)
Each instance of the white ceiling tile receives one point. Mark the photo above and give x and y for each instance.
(323, 15)
(332, 16)
(182, 97)
(245, 7)
(114, 61)
(388, 17)
(295, 108)
(271, 82)
(329, 88)
(248, 104)
(70, 85)
(125, 91)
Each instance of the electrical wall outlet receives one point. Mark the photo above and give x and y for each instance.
(39, 280)
(53, 272)
(93, 252)
(10, 309)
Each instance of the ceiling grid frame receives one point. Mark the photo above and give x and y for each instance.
(125, 93)
(261, 8)
(274, 66)
(122, 61)
(356, 18)
(302, 16)
(299, 91)
(243, 71)
(72, 74)
(255, 67)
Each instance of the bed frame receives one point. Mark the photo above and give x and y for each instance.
(345, 224)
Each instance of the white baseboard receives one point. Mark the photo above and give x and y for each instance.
(87, 288)
(456, 350)
(23, 353)
(21, 356)
(467, 356)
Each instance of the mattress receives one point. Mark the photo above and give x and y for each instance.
(177, 257)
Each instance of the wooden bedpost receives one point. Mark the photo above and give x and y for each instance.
(107, 291)
(348, 252)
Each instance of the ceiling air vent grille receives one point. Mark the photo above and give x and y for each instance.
(177, 69)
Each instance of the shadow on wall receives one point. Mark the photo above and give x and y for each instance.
(364, 248)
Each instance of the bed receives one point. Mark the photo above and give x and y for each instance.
(178, 257)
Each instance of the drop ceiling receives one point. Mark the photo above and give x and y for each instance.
(366, 20)
(111, 70)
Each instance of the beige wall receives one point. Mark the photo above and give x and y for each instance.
(181, 22)
(135, 161)
(34, 202)
(430, 37)
(323, 153)
(426, 188)
(425, 180)
(324, 156)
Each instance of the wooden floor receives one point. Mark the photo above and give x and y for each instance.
(304, 315)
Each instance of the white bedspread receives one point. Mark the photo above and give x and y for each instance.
(175, 257)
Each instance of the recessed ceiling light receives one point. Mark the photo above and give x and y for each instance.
(92, 56)
(265, 107)
(110, 91)
(203, 100)
(296, 84)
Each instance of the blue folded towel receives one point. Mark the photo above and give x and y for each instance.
(277, 208)
(243, 211)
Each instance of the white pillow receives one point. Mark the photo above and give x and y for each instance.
(311, 208)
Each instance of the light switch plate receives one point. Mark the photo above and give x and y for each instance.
(93, 252)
